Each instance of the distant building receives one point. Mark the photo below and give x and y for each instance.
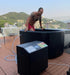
(68, 25)
(6, 25)
(21, 21)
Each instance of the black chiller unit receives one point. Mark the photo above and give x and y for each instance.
(32, 58)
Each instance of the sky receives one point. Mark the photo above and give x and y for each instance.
(52, 8)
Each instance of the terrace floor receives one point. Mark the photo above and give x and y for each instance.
(10, 67)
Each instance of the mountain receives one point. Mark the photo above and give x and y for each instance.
(12, 17)
(64, 19)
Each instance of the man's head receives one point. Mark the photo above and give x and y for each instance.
(40, 10)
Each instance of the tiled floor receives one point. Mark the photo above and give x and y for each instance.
(10, 67)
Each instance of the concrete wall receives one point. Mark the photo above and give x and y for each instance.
(9, 30)
(66, 39)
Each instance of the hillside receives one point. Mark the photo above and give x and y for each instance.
(63, 18)
(19, 18)
(54, 23)
(12, 17)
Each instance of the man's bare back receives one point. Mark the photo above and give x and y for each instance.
(34, 17)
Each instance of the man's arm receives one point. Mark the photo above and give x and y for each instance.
(27, 22)
(40, 22)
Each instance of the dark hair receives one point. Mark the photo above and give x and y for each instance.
(40, 8)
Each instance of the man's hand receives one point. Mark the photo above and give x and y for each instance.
(26, 29)
(41, 27)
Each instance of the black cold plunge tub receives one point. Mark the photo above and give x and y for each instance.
(54, 38)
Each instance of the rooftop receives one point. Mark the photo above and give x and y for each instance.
(55, 66)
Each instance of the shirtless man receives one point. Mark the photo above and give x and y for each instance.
(35, 16)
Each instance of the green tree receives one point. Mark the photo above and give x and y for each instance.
(2, 22)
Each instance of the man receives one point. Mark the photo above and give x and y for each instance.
(35, 16)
